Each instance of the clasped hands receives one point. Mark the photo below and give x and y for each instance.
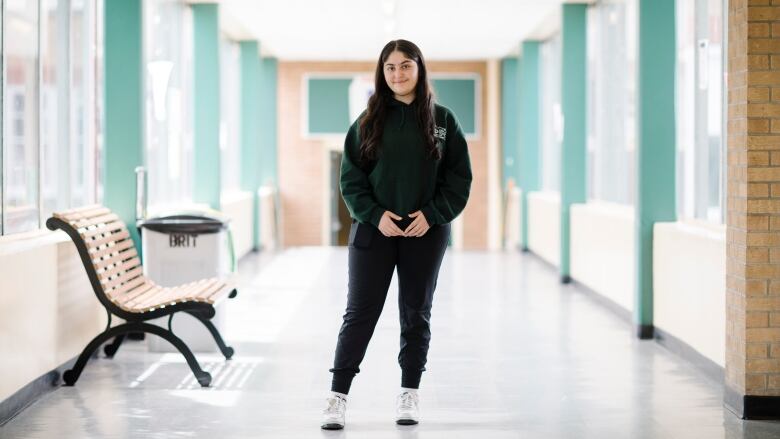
(417, 228)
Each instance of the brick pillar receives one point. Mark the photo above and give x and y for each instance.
(753, 210)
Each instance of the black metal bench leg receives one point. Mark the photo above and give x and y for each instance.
(72, 375)
(110, 349)
(227, 351)
(204, 378)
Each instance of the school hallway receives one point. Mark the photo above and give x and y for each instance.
(514, 354)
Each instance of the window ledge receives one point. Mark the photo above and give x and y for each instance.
(700, 228)
(608, 208)
(27, 241)
(549, 196)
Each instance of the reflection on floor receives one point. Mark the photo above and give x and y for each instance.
(514, 355)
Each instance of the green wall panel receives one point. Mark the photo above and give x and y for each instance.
(328, 110)
(656, 145)
(529, 164)
(124, 93)
(250, 129)
(459, 95)
(267, 120)
(207, 183)
(510, 119)
(574, 106)
(328, 103)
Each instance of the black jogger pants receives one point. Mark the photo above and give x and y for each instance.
(372, 259)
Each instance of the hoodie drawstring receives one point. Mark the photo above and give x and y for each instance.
(403, 115)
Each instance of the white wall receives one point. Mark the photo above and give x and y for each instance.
(48, 311)
(689, 277)
(269, 227)
(544, 225)
(602, 250)
(238, 207)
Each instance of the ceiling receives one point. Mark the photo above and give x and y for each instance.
(358, 29)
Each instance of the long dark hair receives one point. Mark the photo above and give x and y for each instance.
(373, 122)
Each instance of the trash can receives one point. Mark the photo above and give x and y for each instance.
(182, 247)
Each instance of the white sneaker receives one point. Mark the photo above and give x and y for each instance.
(407, 409)
(334, 413)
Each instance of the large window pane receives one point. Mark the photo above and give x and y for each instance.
(699, 112)
(551, 115)
(50, 117)
(68, 104)
(20, 117)
(99, 100)
(230, 125)
(612, 28)
(55, 129)
(83, 114)
(168, 83)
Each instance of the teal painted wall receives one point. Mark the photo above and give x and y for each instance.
(267, 125)
(206, 104)
(124, 93)
(510, 119)
(328, 110)
(250, 129)
(574, 105)
(656, 144)
(459, 95)
(529, 172)
(267, 121)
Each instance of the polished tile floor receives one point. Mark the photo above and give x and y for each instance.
(514, 355)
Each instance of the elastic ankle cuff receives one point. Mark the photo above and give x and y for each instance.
(411, 379)
(341, 383)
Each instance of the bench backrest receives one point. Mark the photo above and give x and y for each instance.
(110, 249)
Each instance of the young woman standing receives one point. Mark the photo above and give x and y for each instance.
(405, 175)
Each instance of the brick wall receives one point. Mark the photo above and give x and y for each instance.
(753, 204)
(302, 166)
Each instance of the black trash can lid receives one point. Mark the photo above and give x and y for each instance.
(196, 224)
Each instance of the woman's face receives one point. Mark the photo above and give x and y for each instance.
(400, 74)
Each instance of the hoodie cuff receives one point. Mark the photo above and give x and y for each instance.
(376, 215)
(429, 214)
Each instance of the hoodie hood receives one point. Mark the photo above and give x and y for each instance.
(403, 108)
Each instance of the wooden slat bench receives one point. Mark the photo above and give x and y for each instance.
(115, 272)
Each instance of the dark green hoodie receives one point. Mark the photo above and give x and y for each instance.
(404, 178)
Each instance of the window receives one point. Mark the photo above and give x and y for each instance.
(699, 109)
(69, 117)
(551, 117)
(55, 90)
(99, 99)
(168, 84)
(612, 29)
(18, 127)
(20, 118)
(83, 103)
(50, 118)
(230, 125)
